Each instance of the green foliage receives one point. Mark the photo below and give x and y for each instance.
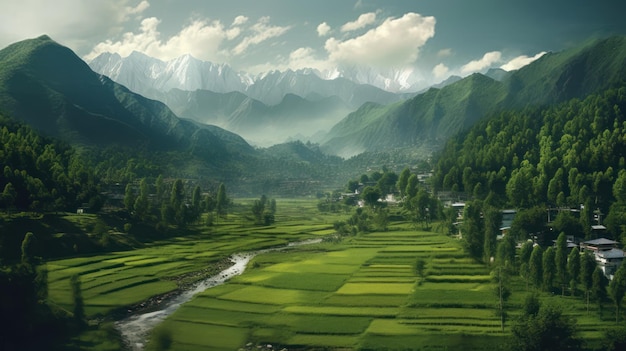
(40, 174)
(546, 329)
(560, 260)
(543, 155)
(549, 269)
(535, 267)
(78, 304)
(573, 269)
(617, 289)
(473, 229)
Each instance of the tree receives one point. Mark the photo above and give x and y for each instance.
(411, 186)
(77, 299)
(129, 197)
(560, 258)
(587, 267)
(500, 277)
(9, 194)
(371, 195)
(546, 329)
(492, 219)
(196, 203)
(573, 269)
(221, 201)
(535, 267)
(28, 244)
(473, 229)
(598, 287)
(549, 268)
(403, 181)
(617, 289)
(142, 204)
(505, 254)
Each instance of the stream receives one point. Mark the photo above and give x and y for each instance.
(136, 328)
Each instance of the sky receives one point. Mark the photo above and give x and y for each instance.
(435, 37)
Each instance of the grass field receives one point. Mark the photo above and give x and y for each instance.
(360, 294)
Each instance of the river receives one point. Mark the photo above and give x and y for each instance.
(136, 328)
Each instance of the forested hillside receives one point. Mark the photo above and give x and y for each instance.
(570, 155)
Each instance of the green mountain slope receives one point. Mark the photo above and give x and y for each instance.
(432, 117)
(429, 117)
(47, 86)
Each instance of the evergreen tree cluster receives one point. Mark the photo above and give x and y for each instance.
(40, 174)
(564, 156)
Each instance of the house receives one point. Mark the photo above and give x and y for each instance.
(607, 255)
(610, 260)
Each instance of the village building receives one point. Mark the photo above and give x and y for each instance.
(607, 255)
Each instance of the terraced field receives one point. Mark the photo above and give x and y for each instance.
(364, 294)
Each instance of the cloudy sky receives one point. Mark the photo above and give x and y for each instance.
(437, 37)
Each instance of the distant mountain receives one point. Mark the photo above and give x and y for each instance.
(48, 87)
(152, 78)
(260, 124)
(497, 74)
(433, 116)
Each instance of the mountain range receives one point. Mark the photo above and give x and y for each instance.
(435, 115)
(48, 87)
(152, 78)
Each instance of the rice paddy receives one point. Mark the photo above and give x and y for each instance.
(360, 294)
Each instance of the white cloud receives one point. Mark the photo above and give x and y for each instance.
(323, 29)
(129, 10)
(488, 60)
(363, 21)
(75, 23)
(200, 38)
(300, 58)
(520, 62)
(440, 71)
(395, 42)
(444, 53)
(262, 31)
(239, 20)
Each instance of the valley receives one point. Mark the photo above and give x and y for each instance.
(128, 182)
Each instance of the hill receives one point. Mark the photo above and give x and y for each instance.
(437, 114)
(48, 87)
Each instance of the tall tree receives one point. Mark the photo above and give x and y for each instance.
(403, 181)
(77, 299)
(28, 245)
(472, 229)
(221, 204)
(617, 289)
(587, 267)
(411, 186)
(142, 203)
(535, 267)
(598, 287)
(549, 268)
(493, 220)
(129, 197)
(560, 260)
(573, 269)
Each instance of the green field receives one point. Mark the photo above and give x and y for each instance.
(359, 294)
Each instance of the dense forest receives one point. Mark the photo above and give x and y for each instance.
(568, 156)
